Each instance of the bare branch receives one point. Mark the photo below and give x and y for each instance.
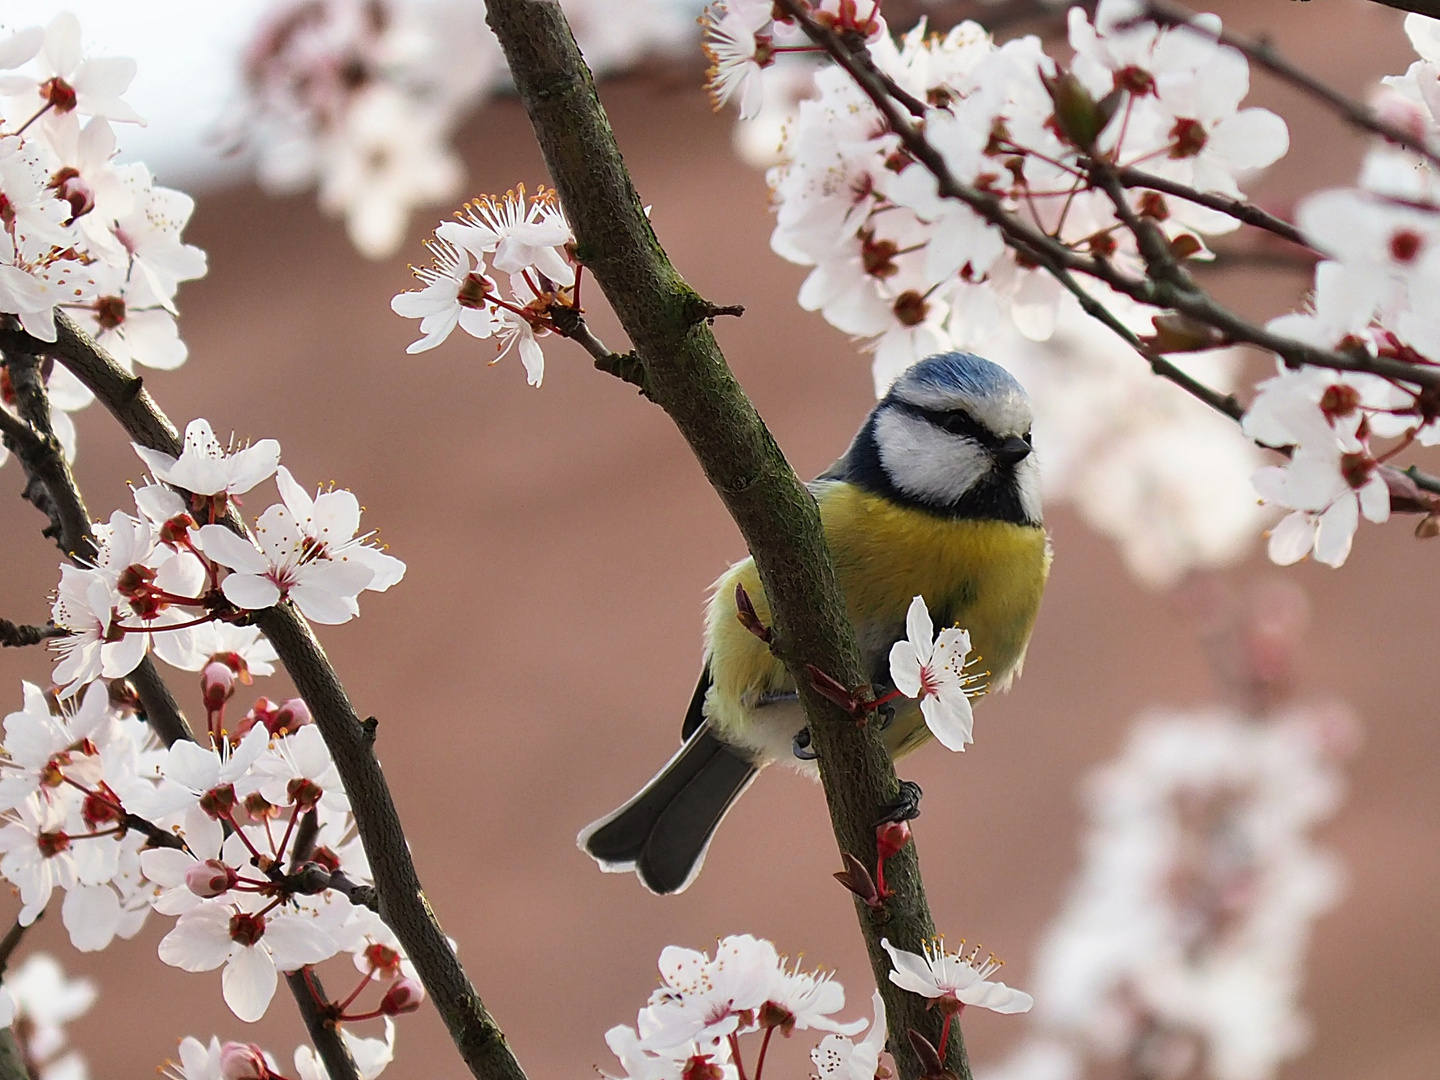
(1239, 209)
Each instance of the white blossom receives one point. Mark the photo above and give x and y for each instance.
(932, 668)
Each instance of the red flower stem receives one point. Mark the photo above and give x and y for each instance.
(945, 1033)
(289, 831)
(764, 1045)
(364, 982)
(243, 838)
(43, 110)
(352, 1017)
(880, 889)
(316, 996)
(735, 1053)
(93, 835)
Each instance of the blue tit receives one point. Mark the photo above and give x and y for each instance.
(938, 496)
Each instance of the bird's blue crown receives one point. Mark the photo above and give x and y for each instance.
(955, 373)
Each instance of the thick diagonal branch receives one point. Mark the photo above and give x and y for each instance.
(402, 899)
(687, 376)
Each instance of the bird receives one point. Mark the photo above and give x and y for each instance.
(938, 495)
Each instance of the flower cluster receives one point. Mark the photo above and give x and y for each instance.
(79, 232)
(361, 98)
(1381, 242)
(100, 240)
(163, 582)
(911, 274)
(692, 1025)
(247, 841)
(1185, 930)
(693, 1022)
(528, 241)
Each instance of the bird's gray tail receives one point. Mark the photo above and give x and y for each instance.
(663, 832)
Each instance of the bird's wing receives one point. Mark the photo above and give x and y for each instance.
(695, 714)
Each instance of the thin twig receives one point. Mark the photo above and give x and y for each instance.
(11, 941)
(624, 366)
(1239, 209)
(15, 635)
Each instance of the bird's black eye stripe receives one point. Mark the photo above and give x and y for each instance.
(957, 423)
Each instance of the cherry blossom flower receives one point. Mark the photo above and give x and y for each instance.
(515, 233)
(455, 294)
(702, 1000)
(45, 749)
(38, 853)
(932, 668)
(838, 1058)
(330, 521)
(954, 979)
(204, 468)
(252, 947)
(805, 1000)
(739, 43)
(286, 566)
(244, 648)
(85, 605)
(298, 770)
(66, 80)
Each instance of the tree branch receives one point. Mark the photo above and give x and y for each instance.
(15, 635)
(402, 900)
(686, 375)
(1239, 209)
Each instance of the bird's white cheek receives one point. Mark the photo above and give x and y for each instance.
(1027, 483)
(927, 463)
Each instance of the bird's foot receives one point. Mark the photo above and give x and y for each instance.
(904, 808)
(801, 746)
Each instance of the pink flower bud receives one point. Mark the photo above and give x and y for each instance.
(891, 837)
(291, 717)
(217, 684)
(404, 995)
(210, 879)
(243, 1061)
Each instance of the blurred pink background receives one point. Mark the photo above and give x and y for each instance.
(534, 666)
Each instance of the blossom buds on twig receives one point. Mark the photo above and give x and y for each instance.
(858, 880)
(243, 1061)
(404, 996)
(210, 879)
(931, 1066)
(748, 617)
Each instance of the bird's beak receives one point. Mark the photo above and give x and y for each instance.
(1012, 451)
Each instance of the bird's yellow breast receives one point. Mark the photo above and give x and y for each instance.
(984, 576)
